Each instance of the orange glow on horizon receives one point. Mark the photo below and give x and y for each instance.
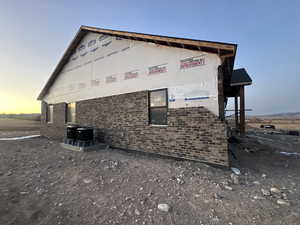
(13, 104)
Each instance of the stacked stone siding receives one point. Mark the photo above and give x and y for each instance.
(122, 121)
(55, 130)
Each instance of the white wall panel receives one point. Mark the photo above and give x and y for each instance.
(99, 70)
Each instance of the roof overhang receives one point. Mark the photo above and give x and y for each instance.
(240, 77)
(241, 84)
(224, 50)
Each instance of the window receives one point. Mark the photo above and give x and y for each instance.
(158, 107)
(70, 112)
(49, 114)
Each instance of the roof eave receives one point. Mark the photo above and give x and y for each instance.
(241, 84)
(146, 37)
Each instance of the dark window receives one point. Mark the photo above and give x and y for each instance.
(71, 112)
(158, 107)
(49, 114)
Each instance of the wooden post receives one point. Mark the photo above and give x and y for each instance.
(236, 112)
(242, 110)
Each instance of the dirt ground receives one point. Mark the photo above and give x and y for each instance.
(41, 183)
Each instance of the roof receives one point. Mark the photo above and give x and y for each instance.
(224, 50)
(240, 77)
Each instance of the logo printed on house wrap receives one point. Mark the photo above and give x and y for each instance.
(192, 62)
(111, 79)
(162, 68)
(131, 74)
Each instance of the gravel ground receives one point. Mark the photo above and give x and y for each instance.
(41, 183)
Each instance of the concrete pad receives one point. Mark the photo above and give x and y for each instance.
(96, 147)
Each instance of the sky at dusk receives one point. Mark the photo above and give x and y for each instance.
(35, 34)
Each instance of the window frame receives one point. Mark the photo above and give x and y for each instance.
(47, 113)
(155, 107)
(67, 113)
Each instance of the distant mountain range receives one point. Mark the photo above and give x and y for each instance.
(288, 115)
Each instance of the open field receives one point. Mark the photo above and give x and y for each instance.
(41, 183)
(285, 124)
(12, 124)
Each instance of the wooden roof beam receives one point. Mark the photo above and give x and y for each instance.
(134, 38)
(227, 55)
(225, 46)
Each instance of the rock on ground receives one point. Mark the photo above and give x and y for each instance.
(282, 202)
(163, 207)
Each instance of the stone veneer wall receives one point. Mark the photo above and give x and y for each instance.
(55, 130)
(122, 122)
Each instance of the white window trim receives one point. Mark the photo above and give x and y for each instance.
(47, 114)
(66, 114)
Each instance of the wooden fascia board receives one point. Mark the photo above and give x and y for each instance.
(217, 45)
(241, 84)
